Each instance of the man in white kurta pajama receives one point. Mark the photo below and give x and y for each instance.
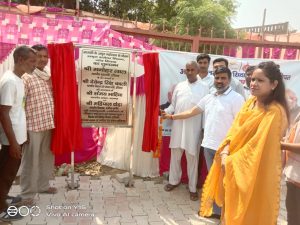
(186, 133)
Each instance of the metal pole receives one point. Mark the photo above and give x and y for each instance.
(28, 6)
(130, 181)
(262, 33)
(211, 36)
(72, 170)
(77, 9)
(263, 25)
(9, 5)
(94, 11)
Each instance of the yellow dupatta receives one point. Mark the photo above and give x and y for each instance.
(250, 188)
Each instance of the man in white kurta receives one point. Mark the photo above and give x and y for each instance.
(186, 133)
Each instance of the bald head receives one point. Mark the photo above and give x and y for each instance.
(194, 64)
(191, 71)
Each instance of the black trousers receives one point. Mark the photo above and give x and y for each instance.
(8, 170)
(293, 204)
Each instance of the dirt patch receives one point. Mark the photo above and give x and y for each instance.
(96, 170)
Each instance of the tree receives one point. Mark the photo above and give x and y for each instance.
(187, 15)
(164, 14)
(205, 14)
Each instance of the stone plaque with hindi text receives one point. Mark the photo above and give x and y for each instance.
(104, 87)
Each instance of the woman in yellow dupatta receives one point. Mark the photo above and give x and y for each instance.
(245, 176)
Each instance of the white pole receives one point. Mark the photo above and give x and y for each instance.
(263, 25)
(262, 33)
(72, 170)
(130, 182)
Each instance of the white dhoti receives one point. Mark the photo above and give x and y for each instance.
(176, 171)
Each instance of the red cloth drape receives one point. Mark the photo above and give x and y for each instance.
(67, 135)
(152, 93)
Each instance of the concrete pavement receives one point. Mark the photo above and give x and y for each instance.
(106, 201)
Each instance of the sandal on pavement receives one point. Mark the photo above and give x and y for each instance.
(194, 196)
(51, 190)
(5, 217)
(215, 216)
(170, 187)
(10, 200)
(26, 202)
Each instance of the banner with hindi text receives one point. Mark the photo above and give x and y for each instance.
(172, 65)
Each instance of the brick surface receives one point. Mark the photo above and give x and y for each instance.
(106, 201)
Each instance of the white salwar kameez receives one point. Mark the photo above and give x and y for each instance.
(186, 133)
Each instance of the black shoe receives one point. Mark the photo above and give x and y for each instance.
(214, 216)
(12, 215)
(10, 200)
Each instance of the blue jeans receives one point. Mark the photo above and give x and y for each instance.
(209, 155)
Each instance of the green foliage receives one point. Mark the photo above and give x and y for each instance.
(19, 1)
(212, 16)
(207, 15)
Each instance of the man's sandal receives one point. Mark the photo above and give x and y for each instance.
(29, 202)
(194, 196)
(11, 200)
(170, 187)
(50, 190)
(6, 217)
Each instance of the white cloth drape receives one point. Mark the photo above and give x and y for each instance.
(116, 150)
(7, 64)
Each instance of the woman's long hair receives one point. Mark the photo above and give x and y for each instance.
(272, 71)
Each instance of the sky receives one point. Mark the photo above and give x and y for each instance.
(250, 13)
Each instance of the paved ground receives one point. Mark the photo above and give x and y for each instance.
(106, 201)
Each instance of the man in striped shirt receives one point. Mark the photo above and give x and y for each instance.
(38, 161)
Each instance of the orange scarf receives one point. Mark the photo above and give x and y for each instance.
(250, 188)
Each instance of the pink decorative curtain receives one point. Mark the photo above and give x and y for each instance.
(230, 51)
(93, 141)
(276, 53)
(5, 50)
(248, 52)
(32, 30)
(290, 53)
(266, 53)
